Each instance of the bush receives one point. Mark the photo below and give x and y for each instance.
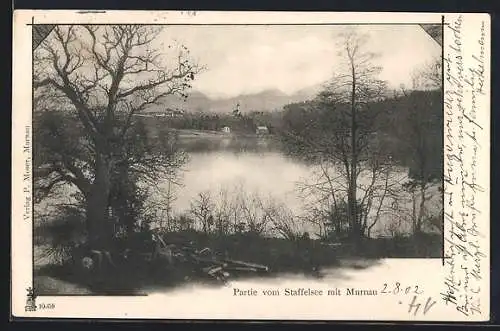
(60, 234)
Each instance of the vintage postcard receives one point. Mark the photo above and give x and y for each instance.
(251, 165)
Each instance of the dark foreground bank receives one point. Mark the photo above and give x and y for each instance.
(233, 256)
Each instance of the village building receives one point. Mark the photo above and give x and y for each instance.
(262, 130)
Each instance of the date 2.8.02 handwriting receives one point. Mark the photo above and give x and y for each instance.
(398, 289)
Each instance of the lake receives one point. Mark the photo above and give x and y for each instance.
(265, 172)
(254, 169)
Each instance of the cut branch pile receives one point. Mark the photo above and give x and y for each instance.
(205, 262)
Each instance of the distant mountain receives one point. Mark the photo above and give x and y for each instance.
(267, 100)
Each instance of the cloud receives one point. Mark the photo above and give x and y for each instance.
(249, 59)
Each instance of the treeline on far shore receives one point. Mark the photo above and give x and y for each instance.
(404, 124)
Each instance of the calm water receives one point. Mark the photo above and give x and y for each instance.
(271, 175)
(266, 173)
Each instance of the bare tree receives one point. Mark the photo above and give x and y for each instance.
(223, 212)
(202, 209)
(324, 196)
(349, 131)
(281, 219)
(428, 76)
(384, 184)
(105, 75)
(356, 85)
(327, 188)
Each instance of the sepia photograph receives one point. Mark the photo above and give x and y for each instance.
(172, 154)
(280, 166)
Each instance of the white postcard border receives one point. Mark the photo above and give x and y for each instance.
(211, 304)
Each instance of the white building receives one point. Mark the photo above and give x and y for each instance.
(262, 130)
(226, 129)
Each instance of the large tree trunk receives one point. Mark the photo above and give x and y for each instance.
(98, 227)
(414, 211)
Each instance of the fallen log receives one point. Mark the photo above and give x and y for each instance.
(205, 250)
(258, 267)
(212, 269)
(247, 269)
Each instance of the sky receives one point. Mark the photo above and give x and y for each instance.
(250, 59)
